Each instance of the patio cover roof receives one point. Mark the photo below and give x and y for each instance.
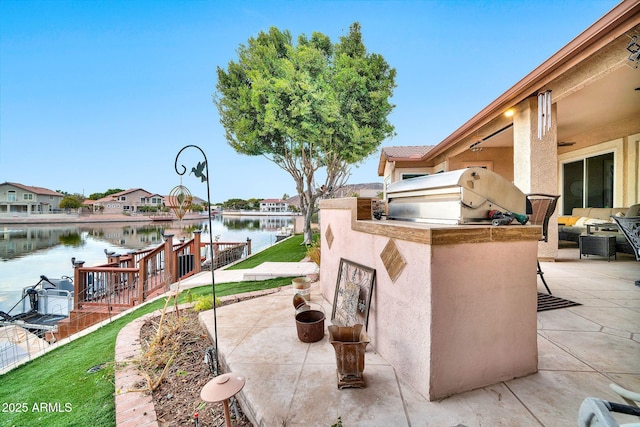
(602, 98)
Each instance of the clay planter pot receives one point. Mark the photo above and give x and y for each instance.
(349, 343)
(301, 286)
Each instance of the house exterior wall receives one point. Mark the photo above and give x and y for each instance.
(394, 171)
(123, 202)
(16, 200)
(498, 160)
(274, 206)
(461, 313)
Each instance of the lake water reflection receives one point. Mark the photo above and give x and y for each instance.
(28, 251)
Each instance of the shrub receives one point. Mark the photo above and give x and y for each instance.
(313, 251)
(205, 302)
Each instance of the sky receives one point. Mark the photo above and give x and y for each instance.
(97, 95)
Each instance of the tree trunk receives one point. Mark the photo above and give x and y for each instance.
(308, 238)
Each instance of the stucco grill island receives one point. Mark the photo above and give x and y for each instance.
(454, 302)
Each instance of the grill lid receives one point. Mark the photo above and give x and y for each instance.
(460, 196)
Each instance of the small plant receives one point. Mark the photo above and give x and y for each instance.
(205, 302)
(313, 251)
(338, 424)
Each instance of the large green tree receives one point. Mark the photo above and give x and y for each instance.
(313, 108)
(71, 201)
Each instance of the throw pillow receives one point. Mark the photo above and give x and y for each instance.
(634, 210)
(581, 222)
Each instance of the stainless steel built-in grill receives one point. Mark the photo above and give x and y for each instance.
(458, 197)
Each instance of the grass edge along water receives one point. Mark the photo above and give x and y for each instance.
(55, 389)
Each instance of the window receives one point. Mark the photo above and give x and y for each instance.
(588, 183)
(27, 196)
(12, 196)
(122, 198)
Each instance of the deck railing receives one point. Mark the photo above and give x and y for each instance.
(127, 280)
(225, 253)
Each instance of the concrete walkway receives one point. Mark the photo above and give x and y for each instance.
(581, 349)
(264, 271)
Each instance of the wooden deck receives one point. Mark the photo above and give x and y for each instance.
(125, 281)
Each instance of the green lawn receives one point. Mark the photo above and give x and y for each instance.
(288, 250)
(56, 390)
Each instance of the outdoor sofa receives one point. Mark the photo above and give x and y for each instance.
(571, 227)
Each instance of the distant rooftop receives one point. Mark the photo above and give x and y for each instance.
(402, 153)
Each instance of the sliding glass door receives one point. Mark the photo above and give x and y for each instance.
(588, 183)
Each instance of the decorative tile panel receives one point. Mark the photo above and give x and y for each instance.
(393, 260)
(328, 235)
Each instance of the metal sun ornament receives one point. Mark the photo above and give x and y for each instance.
(181, 200)
(201, 170)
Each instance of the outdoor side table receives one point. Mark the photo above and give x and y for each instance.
(602, 226)
(602, 245)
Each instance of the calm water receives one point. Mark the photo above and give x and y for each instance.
(26, 252)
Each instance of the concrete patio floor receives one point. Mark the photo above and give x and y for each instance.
(581, 351)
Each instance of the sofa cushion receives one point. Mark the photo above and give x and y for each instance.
(580, 212)
(572, 220)
(600, 213)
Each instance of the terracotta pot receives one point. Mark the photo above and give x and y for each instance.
(301, 286)
(349, 343)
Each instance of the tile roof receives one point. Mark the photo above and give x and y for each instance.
(114, 196)
(37, 190)
(402, 152)
(406, 151)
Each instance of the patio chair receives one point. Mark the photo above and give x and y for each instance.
(599, 412)
(631, 397)
(540, 207)
(630, 227)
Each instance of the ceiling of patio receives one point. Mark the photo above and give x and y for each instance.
(607, 100)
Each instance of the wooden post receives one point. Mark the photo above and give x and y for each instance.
(195, 249)
(114, 259)
(142, 276)
(248, 246)
(78, 283)
(128, 261)
(169, 259)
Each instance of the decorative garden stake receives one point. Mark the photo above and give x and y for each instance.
(180, 200)
(202, 171)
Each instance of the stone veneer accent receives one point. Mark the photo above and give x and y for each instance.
(392, 260)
